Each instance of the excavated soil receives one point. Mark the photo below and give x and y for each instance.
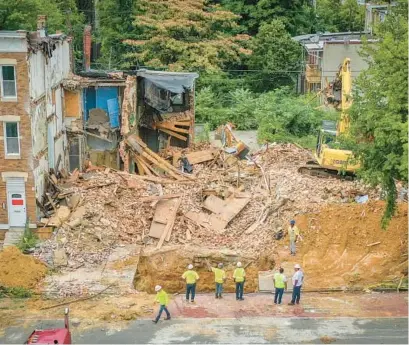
(19, 270)
(334, 253)
(339, 247)
(166, 268)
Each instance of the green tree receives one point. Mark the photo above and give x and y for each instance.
(379, 115)
(276, 55)
(285, 117)
(298, 15)
(186, 35)
(115, 26)
(22, 14)
(340, 16)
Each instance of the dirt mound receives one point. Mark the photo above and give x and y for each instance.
(166, 268)
(344, 246)
(19, 270)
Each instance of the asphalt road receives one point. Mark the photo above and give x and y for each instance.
(255, 330)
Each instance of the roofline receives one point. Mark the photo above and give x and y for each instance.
(21, 34)
(193, 74)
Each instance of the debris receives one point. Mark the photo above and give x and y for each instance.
(362, 199)
(169, 226)
(60, 258)
(195, 157)
(327, 340)
(373, 244)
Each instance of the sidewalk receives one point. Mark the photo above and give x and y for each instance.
(312, 305)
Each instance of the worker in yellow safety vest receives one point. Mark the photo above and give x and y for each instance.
(191, 277)
(219, 278)
(239, 276)
(163, 300)
(293, 234)
(280, 284)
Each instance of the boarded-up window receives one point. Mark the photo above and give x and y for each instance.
(72, 103)
(74, 154)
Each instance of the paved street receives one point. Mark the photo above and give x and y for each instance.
(338, 317)
(259, 330)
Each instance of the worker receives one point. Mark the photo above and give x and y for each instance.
(280, 284)
(298, 279)
(191, 277)
(293, 233)
(239, 277)
(219, 278)
(163, 300)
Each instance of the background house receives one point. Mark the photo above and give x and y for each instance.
(324, 53)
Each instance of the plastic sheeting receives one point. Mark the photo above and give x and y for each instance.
(172, 81)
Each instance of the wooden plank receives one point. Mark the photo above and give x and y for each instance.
(196, 157)
(173, 134)
(160, 197)
(171, 126)
(161, 218)
(225, 209)
(209, 221)
(214, 204)
(169, 226)
(169, 232)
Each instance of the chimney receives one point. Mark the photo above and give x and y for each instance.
(42, 25)
(87, 47)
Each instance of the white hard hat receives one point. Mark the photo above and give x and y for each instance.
(239, 264)
(297, 266)
(190, 266)
(157, 288)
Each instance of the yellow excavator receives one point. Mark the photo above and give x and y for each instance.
(330, 159)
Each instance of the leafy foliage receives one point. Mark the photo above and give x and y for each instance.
(115, 25)
(285, 117)
(186, 35)
(340, 16)
(29, 239)
(22, 14)
(279, 115)
(277, 56)
(15, 292)
(379, 115)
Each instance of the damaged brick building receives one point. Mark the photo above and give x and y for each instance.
(54, 122)
(33, 66)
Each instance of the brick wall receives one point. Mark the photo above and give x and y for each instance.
(23, 164)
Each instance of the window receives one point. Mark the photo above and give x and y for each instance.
(8, 82)
(11, 138)
(177, 99)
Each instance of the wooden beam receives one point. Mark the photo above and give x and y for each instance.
(173, 134)
(169, 226)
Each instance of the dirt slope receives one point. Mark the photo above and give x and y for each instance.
(335, 252)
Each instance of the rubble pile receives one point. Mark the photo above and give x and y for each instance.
(226, 203)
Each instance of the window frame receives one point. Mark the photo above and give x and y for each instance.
(5, 139)
(3, 97)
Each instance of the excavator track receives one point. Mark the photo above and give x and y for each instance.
(313, 169)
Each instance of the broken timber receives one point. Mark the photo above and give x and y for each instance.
(223, 211)
(141, 151)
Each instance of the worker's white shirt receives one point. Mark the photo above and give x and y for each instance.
(299, 276)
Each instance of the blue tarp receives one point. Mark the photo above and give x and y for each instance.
(113, 112)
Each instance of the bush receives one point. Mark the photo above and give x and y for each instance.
(285, 117)
(15, 292)
(29, 239)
